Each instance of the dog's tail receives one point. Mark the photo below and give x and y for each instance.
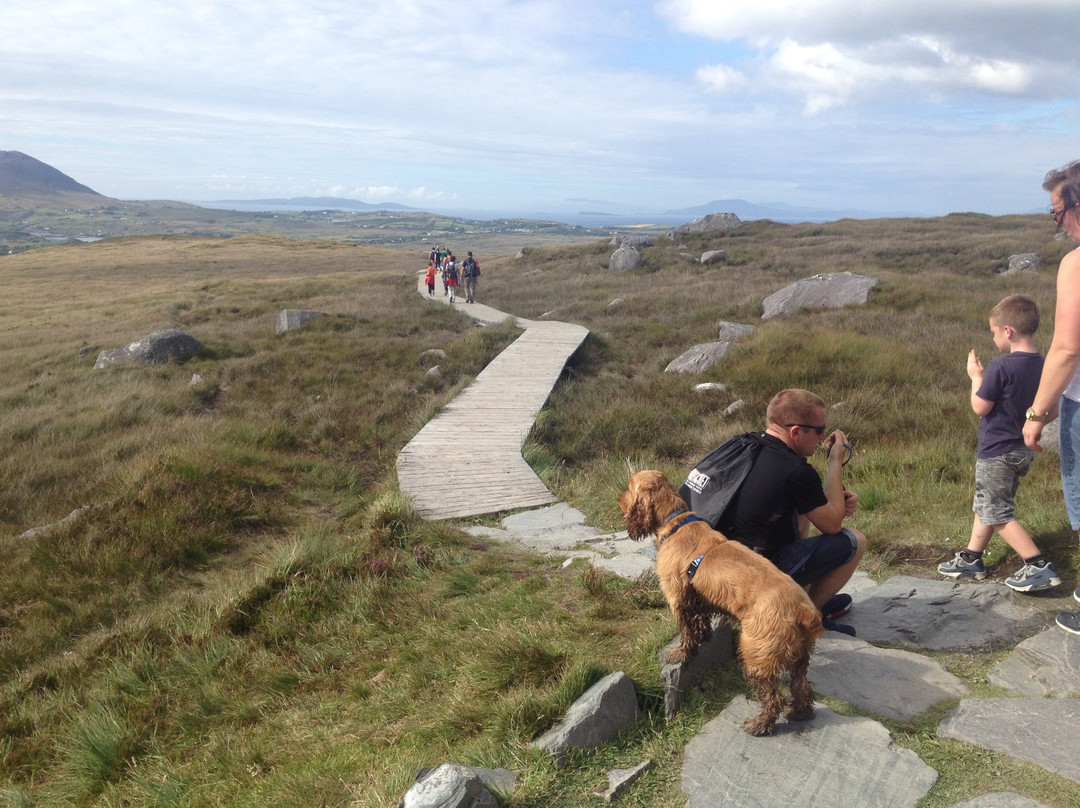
(809, 619)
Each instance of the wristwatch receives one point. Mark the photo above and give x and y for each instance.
(1031, 415)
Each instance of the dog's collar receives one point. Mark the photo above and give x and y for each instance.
(691, 518)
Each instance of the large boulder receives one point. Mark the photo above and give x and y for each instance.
(713, 221)
(636, 241)
(828, 291)
(712, 257)
(153, 349)
(624, 258)
(606, 709)
(1024, 262)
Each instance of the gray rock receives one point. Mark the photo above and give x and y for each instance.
(733, 407)
(826, 762)
(452, 785)
(712, 257)
(1002, 799)
(615, 303)
(620, 780)
(714, 652)
(153, 349)
(1024, 262)
(1046, 665)
(924, 614)
(86, 350)
(289, 319)
(710, 387)
(713, 221)
(735, 332)
(624, 258)
(434, 372)
(693, 259)
(433, 353)
(1040, 731)
(1050, 437)
(636, 241)
(699, 358)
(606, 709)
(827, 291)
(892, 683)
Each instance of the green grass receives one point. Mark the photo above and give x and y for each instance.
(252, 614)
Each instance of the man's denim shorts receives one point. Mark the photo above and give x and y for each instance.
(996, 481)
(810, 559)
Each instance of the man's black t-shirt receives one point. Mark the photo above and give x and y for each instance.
(780, 487)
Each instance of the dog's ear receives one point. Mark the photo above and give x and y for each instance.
(640, 520)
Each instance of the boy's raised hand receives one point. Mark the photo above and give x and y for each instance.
(974, 366)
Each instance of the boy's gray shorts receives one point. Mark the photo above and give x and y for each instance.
(996, 481)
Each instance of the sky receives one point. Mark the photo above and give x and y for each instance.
(905, 106)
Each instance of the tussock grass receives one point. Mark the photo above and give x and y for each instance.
(250, 613)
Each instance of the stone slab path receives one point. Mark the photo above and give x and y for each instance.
(835, 761)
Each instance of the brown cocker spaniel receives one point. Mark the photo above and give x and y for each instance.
(702, 573)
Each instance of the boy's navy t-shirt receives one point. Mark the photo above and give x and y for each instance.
(1010, 381)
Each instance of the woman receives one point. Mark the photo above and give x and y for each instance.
(1059, 385)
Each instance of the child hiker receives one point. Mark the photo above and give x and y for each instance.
(1001, 393)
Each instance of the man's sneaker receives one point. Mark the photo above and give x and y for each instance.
(960, 568)
(837, 606)
(1070, 621)
(1032, 579)
(832, 625)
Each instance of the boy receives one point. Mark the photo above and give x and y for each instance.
(1000, 396)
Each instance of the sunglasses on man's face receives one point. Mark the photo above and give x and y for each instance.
(819, 429)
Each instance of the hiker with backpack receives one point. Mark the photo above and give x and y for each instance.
(759, 489)
(450, 276)
(470, 271)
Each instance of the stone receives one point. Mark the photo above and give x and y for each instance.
(826, 762)
(452, 785)
(624, 258)
(606, 709)
(636, 241)
(699, 358)
(196, 379)
(716, 651)
(1024, 262)
(889, 682)
(433, 353)
(1049, 438)
(710, 387)
(705, 224)
(86, 350)
(922, 613)
(692, 259)
(615, 303)
(733, 407)
(1046, 665)
(620, 780)
(290, 319)
(828, 291)
(153, 349)
(1027, 729)
(712, 257)
(434, 372)
(735, 332)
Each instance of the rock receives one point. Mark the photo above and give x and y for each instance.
(710, 387)
(1049, 438)
(1024, 262)
(826, 762)
(890, 682)
(196, 378)
(699, 358)
(693, 259)
(1002, 799)
(434, 372)
(827, 291)
(713, 221)
(433, 353)
(606, 709)
(734, 407)
(290, 319)
(452, 785)
(924, 614)
(624, 258)
(619, 780)
(735, 332)
(712, 257)
(1046, 665)
(523, 252)
(615, 303)
(714, 652)
(1028, 729)
(74, 516)
(635, 241)
(86, 350)
(154, 349)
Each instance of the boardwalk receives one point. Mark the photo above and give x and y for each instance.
(474, 445)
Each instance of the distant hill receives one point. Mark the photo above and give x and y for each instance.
(302, 203)
(21, 174)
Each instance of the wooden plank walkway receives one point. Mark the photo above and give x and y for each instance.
(467, 461)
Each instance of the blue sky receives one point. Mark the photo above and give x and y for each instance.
(925, 106)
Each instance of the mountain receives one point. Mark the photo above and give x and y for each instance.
(21, 174)
(778, 212)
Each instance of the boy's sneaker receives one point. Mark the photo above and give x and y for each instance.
(1032, 579)
(837, 606)
(961, 568)
(1070, 621)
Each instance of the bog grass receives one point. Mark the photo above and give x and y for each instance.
(245, 610)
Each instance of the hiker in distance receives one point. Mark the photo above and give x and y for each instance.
(781, 496)
(1059, 385)
(470, 272)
